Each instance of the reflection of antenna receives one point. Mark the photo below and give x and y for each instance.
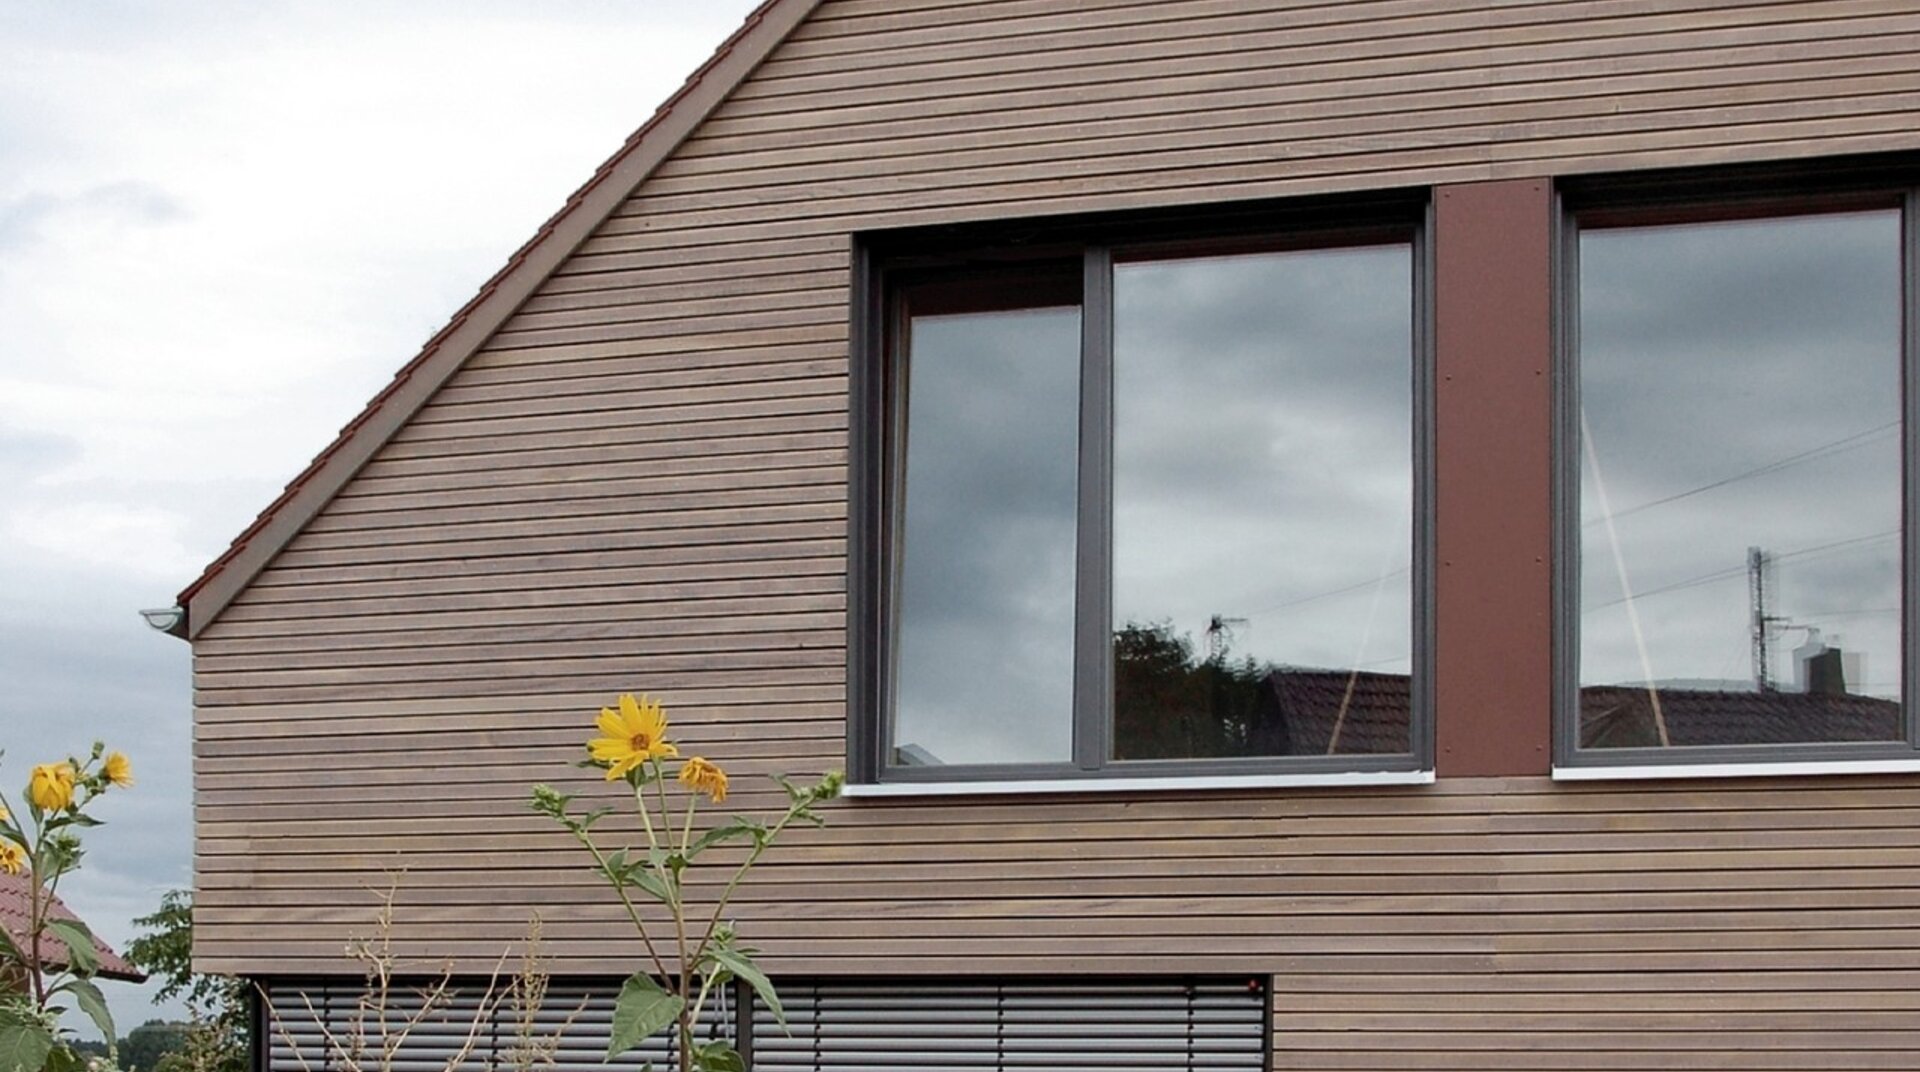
(1220, 635)
(1759, 566)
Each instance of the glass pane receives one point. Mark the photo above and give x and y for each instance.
(1263, 493)
(985, 642)
(1740, 482)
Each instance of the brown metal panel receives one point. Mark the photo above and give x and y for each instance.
(1493, 322)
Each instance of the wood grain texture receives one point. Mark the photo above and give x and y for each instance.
(637, 481)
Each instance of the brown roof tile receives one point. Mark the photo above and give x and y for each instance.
(16, 914)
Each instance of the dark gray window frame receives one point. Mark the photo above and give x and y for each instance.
(881, 261)
(1701, 194)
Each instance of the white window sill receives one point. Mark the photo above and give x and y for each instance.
(1737, 770)
(1190, 784)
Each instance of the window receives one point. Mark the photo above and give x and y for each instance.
(1736, 476)
(1138, 498)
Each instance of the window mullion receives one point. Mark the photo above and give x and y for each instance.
(1093, 582)
(1910, 428)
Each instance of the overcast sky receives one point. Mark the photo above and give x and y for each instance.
(222, 228)
(1738, 398)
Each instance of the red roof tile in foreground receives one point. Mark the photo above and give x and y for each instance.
(16, 913)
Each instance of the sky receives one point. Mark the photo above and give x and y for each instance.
(1739, 398)
(223, 227)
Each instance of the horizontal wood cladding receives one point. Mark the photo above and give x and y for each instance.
(638, 482)
(1539, 910)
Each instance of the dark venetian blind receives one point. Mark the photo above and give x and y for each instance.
(305, 1015)
(1068, 1026)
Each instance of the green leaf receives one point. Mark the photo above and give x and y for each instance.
(594, 816)
(719, 1057)
(25, 1042)
(725, 832)
(737, 962)
(641, 1011)
(794, 794)
(93, 1003)
(651, 883)
(81, 955)
(64, 1059)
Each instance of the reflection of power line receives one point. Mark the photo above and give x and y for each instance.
(1838, 446)
(1328, 594)
(1741, 570)
(1857, 612)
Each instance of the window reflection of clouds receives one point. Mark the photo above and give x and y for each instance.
(1741, 385)
(985, 654)
(1263, 451)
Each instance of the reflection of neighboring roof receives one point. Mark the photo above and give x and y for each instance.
(1376, 719)
(1611, 716)
(16, 912)
(1619, 716)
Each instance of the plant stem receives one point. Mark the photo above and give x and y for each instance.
(679, 931)
(653, 840)
(36, 920)
(620, 889)
(759, 848)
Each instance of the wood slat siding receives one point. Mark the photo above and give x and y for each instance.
(639, 483)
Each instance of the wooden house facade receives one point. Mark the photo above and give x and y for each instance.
(663, 451)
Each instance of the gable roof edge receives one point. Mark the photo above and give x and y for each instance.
(498, 299)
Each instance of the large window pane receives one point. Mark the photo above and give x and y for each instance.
(1262, 504)
(1740, 482)
(984, 670)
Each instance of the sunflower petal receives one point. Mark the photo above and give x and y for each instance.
(609, 749)
(632, 715)
(611, 724)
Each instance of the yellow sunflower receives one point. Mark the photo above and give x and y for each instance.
(635, 734)
(703, 777)
(13, 858)
(118, 769)
(50, 786)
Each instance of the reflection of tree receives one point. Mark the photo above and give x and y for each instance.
(1170, 704)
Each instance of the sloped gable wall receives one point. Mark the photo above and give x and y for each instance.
(639, 483)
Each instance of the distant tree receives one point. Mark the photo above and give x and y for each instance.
(217, 1035)
(146, 1046)
(1170, 703)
